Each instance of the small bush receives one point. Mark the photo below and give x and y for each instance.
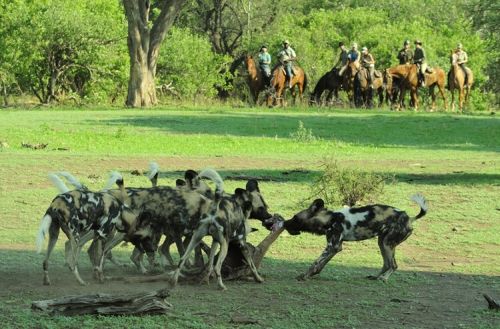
(343, 186)
(303, 135)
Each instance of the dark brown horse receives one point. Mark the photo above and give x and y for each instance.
(456, 80)
(256, 80)
(364, 92)
(407, 73)
(331, 82)
(278, 79)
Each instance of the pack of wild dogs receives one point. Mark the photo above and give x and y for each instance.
(190, 211)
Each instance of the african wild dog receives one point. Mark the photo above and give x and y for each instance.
(226, 221)
(78, 212)
(391, 225)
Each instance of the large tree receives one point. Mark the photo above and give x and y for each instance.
(146, 31)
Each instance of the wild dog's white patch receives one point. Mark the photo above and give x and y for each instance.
(214, 177)
(420, 200)
(353, 219)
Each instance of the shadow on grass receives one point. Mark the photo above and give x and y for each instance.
(309, 176)
(417, 299)
(388, 130)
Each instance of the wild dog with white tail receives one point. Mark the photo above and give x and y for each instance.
(76, 213)
(391, 225)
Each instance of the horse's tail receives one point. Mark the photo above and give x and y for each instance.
(304, 88)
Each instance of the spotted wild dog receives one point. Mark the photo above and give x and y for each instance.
(76, 213)
(226, 221)
(391, 225)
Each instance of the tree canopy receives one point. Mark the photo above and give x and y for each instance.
(54, 51)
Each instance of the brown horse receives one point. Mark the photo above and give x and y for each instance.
(407, 73)
(349, 76)
(331, 82)
(364, 92)
(256, 80)
(278, 79)
(456, 80)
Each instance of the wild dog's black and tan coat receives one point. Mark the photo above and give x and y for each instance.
(391, 225)
(76, 213)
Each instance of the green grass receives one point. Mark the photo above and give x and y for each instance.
(444, 267)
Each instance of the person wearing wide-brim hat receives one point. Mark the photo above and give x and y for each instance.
(421, 61)
(462, 58)
(405, 55)
(265, 63)
(286, 56)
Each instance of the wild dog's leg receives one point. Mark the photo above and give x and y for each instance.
(108, 244)
(386, 265)
(53, 236)
(136, 258)
(211, 259)
(389, 244)
(333, 247)
(249, 260)
(222, 255)
(198, 235)
(73, 259)
(165, 255)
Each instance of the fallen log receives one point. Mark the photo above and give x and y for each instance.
(106, 304)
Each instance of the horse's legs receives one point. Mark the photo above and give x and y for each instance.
(414, 96)
(443, 95)
(461, 99)
(433, 97)
(452, 90)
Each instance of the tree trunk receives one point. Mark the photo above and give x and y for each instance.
(144, 44)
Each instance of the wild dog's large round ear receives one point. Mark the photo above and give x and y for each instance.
(317, 205)
(192, 178)
(239, 192)
(252, 185)
(180, 182)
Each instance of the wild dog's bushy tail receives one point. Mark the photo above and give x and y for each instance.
(154, 168)
(43, 231)
(58, 183)
(115, 177)
(420, 200)
(214, 177)
(72, 180)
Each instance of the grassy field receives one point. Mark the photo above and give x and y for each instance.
(444, 267)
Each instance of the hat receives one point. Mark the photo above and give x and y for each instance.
(459, 46)
(364, 49)
(341, 44)
(286, 42)
(407, 42)
(263, 46)
(354, 45)
(418, 42)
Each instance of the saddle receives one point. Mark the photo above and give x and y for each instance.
(282, 68)
(364, 73)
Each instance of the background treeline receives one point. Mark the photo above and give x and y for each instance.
(76, 50)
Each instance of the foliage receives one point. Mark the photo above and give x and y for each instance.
(302, 134)
(64, 48)
(346, 186)
(187, 62)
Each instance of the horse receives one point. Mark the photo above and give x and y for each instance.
(363, 90)
(456, 80)
(278, 80)
(348, 78)
(256, 80)
(330, 81)
(408, 75)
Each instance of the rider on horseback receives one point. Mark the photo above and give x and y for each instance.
(368, 63)
(286, 56)
(353, 56)
(405, 55)
(265, 64)
(461, 58)
(421, 62)
(342, 57)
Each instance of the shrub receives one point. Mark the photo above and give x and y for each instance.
(303, 135)
(346, 186)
